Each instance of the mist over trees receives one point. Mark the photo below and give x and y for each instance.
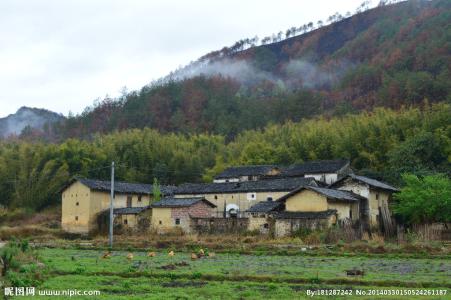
(389, 56)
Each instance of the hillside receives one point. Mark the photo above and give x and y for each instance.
(392, 55)
(28, 121)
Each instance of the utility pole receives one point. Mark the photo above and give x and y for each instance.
(111, 204)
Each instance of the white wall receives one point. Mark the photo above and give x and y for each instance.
(357, 188)
(326, 177)
(226, 180)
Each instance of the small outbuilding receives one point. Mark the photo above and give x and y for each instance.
(288, 222)
(260, 215)
(171, 213)
(132, 217)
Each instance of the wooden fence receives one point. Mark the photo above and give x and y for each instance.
(425, 232)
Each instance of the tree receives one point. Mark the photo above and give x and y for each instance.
(156, 190)
(424, 200)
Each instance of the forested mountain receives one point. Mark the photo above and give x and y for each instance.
(28, 121)
(392, 56)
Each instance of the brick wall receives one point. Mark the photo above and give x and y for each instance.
(198, 210)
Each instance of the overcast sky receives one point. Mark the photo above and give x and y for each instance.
(63, 54)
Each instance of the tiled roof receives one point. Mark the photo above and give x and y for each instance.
(282, 184)
(129, 210)
(304, 214)
(337, 194)
(180, 202)
(123, 187)
(329, 193)
(254, 170)
(315, 167)
(372, 182)
(264, 206)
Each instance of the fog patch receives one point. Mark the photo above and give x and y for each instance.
(35, 118)
(239, 70)
(294, 74)
(313, 76)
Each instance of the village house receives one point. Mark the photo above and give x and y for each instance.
(231, 198)
(171, 213)
(305, 207)
(246, 173)
(134, 218)
(376, 194)
(327, 171)
(84, 199)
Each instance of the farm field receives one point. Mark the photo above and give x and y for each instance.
(236, 276)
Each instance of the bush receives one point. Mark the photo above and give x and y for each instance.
(301, 232)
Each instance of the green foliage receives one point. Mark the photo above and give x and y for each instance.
(156, 191)
(7, 256)
(385, 141)
(424, 200)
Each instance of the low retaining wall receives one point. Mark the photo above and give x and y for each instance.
(219, 225)
(286, 227)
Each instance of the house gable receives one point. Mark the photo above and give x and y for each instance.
(306, 200)
(76, 208)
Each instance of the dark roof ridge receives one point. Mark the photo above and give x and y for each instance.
(180, 202)
(120, 187)
(304, 214)
(370, 181)
(280, 184)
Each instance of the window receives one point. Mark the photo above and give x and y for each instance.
(266, 225)
(125, 221)
(77, 203)
(177, 221)
(216, 196)
(269, 198)
(139, 198)
(76, 218)
(159, 222)
(251, 196)
(350, 214)
(129, 201)
(377, 196)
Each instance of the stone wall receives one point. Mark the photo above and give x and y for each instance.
(219, 225)
(260, 224)
(285, 227)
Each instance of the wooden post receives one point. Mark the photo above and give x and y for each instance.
(111, 205)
